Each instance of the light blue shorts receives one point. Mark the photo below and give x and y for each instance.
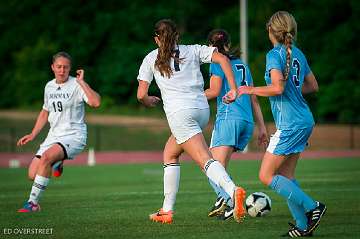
(235, 133)
(186, 123)
(285, 142)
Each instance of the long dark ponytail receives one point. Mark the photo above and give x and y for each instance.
(168, 35)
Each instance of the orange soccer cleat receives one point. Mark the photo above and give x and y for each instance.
(239, 199)
(162, 217)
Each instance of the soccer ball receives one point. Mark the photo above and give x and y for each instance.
(258, 204)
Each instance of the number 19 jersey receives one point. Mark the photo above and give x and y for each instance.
(66, 106)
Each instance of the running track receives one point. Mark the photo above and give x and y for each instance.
(156, 157)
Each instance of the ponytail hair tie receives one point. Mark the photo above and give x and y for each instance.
(220, 36)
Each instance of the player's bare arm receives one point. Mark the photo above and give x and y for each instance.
(39, 124)
(224, 62)
(143, 97)
(215, 87)
(276, 88)
(310, 84)
(94, 98)
(263, 139)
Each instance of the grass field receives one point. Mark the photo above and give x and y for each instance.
(113, 201)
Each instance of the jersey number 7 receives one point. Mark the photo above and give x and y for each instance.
(241, 67)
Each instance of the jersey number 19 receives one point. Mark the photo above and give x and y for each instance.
(58, 106)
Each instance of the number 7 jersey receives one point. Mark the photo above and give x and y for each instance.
(66, 106)
(241, 108)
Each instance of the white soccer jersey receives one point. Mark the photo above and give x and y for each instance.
(65, 104)
(185, 87)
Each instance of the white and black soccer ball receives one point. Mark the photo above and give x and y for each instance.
(258, 204)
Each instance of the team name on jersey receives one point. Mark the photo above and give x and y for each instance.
(59, 96)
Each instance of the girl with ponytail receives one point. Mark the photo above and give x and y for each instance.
(176, 69)
(234, 123)
(288, 76)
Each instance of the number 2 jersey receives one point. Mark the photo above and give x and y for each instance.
(66, 106)
(290, 110)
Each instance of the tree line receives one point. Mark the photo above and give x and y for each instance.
(109, 39)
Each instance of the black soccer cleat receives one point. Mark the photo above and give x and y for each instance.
(294, 231)
(218, 207)
(314, 216)
(227, 214)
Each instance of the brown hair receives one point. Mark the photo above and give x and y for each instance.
(220, 39)
(168, 35)
(283, 27)
(62, 54)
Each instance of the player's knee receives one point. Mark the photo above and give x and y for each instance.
(170, 157)
(45, 160)
(265, 178)
(31, 176)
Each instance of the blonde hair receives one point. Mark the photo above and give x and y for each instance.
(283, 27)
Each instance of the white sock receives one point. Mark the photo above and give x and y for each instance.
(38, 187)
(171, 185)
(217, 173)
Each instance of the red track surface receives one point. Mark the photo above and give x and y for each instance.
(156, 157)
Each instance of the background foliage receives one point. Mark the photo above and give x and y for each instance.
(110, 38)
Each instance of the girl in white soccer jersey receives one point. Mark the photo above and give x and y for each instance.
(288, 76)
(63, 107)
(176, 69)
(234, 122)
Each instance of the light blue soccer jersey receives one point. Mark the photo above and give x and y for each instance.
(290, 110)
(241, 108)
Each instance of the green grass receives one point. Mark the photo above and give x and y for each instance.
(113, 201)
